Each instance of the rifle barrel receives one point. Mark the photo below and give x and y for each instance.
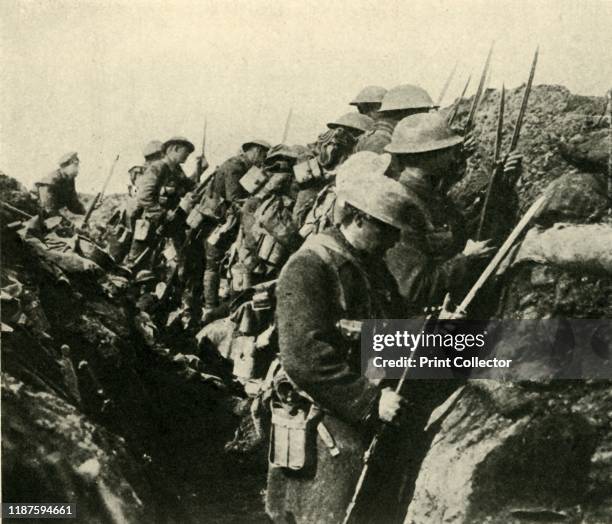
(21, 213)
(453, 113)
(204, 136)
(500, 125)
(101, 193)
(484, 213)
(483, 78)
(287, 124)
(521, 115)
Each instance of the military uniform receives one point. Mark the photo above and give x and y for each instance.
(327, 280)
(315, 291)
(57, 191)
(227, 189)
(377, 138)
(158, 190)
(428, 263)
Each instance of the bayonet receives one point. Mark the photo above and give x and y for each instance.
(483, 77)
(446, 84)
(287, 124)
(453, 114)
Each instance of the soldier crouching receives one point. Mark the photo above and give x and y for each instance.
(323, 409)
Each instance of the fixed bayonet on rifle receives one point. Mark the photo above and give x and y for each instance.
(470, 121)
(453, 114)
(287, 124)
(521, 115)
(372, 450)
(496, 167)
(99, 195)
(499, 164)
(204, 137)
(446, 84)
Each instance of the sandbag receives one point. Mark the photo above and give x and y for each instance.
(586, 247)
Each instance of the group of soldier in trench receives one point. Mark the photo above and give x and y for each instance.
(289, 241)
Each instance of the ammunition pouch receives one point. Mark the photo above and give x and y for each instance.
(293, 436)
(308, 172)
(241, 277)
(253, 180)
(270, 250)
(142, 229)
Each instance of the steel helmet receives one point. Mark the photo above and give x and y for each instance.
(421, 133)
(256, 142)
(281, 150)
(154, 147)
(406, 96)
(181, 140)
(67, 158)
(361, 123)
(369, 95)
(361, 182)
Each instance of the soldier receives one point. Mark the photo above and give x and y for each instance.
(368, 100)
(226, 189)
(334, 276)
(57, 190)
(153, 151)
(398, 103)
(332, 148)
(158, 192)
(267, 233)
(428, 261)
(134, 172)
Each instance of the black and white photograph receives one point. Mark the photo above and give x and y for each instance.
(306, 261)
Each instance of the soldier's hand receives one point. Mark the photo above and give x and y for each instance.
(448, 312)
(481, 248)
(469, 145)
(513, 168)
(390, 406)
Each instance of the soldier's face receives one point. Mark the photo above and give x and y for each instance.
(370, 110)
(260, 156)
(376, 236)
(178, 153)
(71, 169)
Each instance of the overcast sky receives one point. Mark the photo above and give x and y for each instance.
(104, 77)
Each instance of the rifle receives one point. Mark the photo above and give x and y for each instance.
(470, 121)
(499, 166)
(204, 137)
(98, 196)
(22, 214)
(287, 123)
(446, 84)
(453, 114)
(372, 450)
